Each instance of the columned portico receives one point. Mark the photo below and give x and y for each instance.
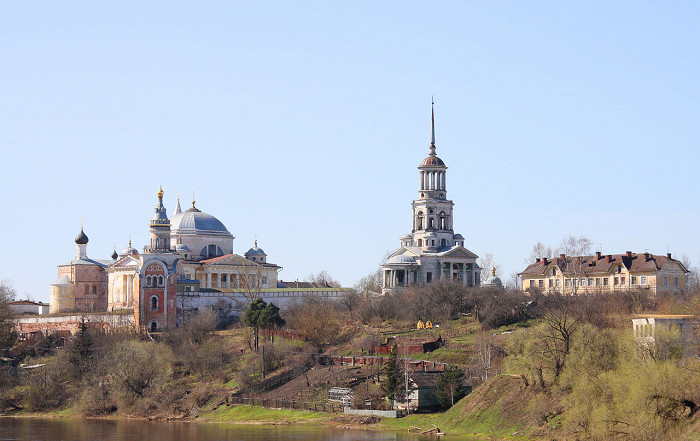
(432, 250)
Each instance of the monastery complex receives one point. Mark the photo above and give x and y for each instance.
(189, 264)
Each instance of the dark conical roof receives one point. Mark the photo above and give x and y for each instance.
(81, 239)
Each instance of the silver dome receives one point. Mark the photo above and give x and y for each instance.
(196, 221)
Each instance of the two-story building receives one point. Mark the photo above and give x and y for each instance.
(576, 275)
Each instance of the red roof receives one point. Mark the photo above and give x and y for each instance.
(600, 263)
(216, 259)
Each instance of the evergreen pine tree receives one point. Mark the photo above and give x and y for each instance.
(81, 349)
(392, 373)
(252, 318)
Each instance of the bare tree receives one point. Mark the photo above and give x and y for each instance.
(484, 347)
(487, 262)
(7, 295)
(539, 250)
(324, 278)
(692, 282)
(575, 248)
(250, 285)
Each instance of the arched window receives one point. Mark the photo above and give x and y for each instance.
(420, 242)
(154, 303)
(94, 289)
(443, 242)
(420, 220)
(160, 280)
(154, 326)
(148, 281)
(211, 250)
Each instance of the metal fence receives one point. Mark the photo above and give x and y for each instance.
(282, 403)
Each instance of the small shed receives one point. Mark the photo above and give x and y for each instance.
(422, 391)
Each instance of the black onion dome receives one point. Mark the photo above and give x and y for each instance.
(114, 255)
(81, 239)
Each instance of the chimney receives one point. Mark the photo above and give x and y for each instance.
(669, 255)
(545, 261)
(609, 258)
(562, 256)
(629, 253)
(537, 260)
(647, 257)
(597, 255)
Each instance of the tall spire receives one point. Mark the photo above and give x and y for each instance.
(432, 128)
(178, 210)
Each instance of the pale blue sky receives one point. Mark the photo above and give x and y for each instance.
(304, 122)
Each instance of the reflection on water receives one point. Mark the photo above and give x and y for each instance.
(34, 429)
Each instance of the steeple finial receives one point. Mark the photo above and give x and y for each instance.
(160, 193)
(192, 198)
(493, 271)
(432, 127)
(256, 240)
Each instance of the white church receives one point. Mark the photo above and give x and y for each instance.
(432, 250)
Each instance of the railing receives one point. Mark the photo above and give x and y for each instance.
(282, 403)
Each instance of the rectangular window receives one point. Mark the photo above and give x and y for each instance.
(634, 280)
(622, 280)
(643, 280)
(567, 282)
(597, 281)
(540, 283)
(557, 282)
(590, 281)
(605, 281)
(675, 281)
(665, 280)
(532, 283)
(550, 283)
(583, 282)
(616, 281)
(429, 277)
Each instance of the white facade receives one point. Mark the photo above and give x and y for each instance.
(432, 250)
(28, 307)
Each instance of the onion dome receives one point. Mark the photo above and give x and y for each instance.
(160, 216)
(81, 239)
(114, 254)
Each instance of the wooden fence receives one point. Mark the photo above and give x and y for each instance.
(281, 403)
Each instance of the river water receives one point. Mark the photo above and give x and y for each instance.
(57, 429)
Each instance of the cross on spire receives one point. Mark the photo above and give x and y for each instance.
(432, 127)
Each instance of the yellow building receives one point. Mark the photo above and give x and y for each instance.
(606, 273)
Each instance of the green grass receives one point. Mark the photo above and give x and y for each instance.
(247, 413)
(231, 384)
